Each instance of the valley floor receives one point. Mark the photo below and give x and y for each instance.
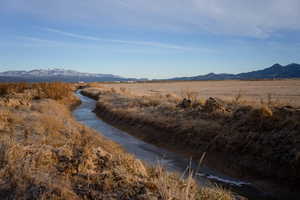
(46, 154)
(286, 91)
(259, 141)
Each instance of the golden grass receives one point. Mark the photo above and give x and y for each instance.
(21, 94)
(253, 133)
(46, 154)
(56, 90)
(286, 91)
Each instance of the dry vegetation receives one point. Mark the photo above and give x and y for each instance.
(285, 91)
(261, 140)
(46, 154)
(11, 93)
(56, 91)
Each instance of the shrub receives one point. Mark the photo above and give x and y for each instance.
(4, 117)
(3, 89)
(7, 88)
(55, 90)
(266, 111)
(237, 98)
(113, 90)
(123, 89)
(192, 97)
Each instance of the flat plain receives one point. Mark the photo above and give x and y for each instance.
(283, 91)
(253, 133)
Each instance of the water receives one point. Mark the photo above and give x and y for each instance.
(152, 154)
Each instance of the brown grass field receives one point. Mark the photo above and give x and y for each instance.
(255, 132)
(284, 91)
(46, 154)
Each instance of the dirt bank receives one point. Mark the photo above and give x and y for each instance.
(260, 142)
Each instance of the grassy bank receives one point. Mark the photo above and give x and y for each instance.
(260, 141)
(46, 154)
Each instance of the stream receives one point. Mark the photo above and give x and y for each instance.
(153, 155)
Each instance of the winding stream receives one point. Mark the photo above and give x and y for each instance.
(152, 154)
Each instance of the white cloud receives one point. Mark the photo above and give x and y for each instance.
(33, 41)
(78, 36)
(129, 42)
(255, 18)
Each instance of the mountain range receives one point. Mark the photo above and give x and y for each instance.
(276, 71)
(53, 72)
(43, 75)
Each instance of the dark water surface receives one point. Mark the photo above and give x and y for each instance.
(152, 154)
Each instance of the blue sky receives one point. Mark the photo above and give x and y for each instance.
(143, 38)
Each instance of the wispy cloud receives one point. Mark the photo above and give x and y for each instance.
(78, 36)
(255, 18)
(37, 41)
(129, 42)
(40, 41)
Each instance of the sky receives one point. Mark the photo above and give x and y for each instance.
(149, 38)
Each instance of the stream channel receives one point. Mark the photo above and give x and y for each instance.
(153, 155)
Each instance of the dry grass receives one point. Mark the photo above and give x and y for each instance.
(286, 91)
(255, 134)
(56, 91)
(21, 94)
(193, 97)
(46, 154)
(187, 188)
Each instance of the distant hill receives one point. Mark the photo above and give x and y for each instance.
(43, 75)
(276, 71)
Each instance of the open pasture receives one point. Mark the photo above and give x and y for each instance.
(282, 91)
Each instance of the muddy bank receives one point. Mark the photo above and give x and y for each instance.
(256, 153)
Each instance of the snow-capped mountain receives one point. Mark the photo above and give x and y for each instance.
(53, 72)
(41, 75)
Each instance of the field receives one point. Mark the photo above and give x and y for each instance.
(284, 91)
(46, 154)
(249, 126)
